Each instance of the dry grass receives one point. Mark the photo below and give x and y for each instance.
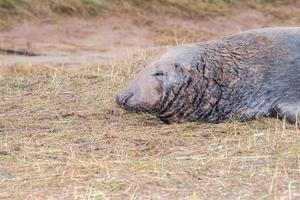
(63, 137)
(141, 10)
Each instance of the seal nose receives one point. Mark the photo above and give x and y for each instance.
(122, 98)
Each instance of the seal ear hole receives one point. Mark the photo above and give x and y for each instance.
(178, 68)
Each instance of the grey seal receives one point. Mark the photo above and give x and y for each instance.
(243, 76)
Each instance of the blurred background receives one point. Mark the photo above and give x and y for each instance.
(86, 32)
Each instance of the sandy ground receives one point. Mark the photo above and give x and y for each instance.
(78, 42)
(75, 41)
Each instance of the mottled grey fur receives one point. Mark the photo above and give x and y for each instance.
(243, 76)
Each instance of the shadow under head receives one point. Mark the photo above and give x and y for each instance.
(242, 77)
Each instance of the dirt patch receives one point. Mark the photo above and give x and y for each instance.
(78, 42)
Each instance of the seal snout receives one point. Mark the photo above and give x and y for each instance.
(122, 98)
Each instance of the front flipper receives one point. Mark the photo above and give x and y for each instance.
(289, 111)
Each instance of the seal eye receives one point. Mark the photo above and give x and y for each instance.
(159, 73)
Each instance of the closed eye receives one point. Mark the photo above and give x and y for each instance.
(159, 73)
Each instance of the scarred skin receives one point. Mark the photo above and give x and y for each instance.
(242, 77)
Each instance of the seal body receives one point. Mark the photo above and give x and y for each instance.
(242, 77)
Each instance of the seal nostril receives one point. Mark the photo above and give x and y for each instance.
(122, 99)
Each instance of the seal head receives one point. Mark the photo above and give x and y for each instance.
(161, 79)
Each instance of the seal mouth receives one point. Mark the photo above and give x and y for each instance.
(124, 102)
